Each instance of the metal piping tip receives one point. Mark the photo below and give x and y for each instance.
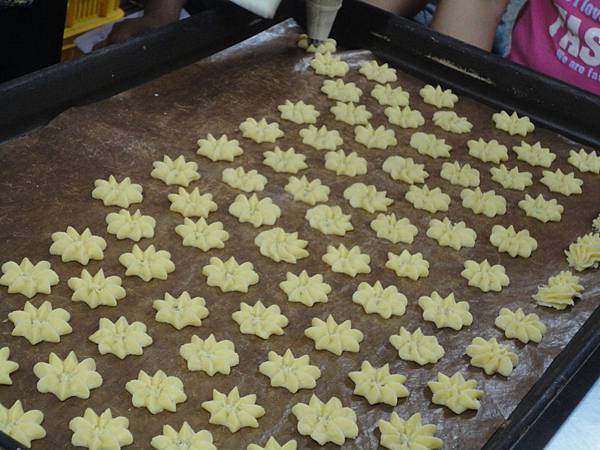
(315, 42)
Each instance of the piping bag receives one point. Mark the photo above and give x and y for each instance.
(263, 8)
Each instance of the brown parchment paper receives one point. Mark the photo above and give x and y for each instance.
(46, 180)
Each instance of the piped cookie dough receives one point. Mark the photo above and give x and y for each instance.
(378, 385)
(487, 203)
(431, 200)
(233, 411)
(488, 151)
(321, 138)
(238, 178)
(289, 372)
(350, 113)
(157, 393)
(491, 356)
(511, 178)
(513, 124)
(438, 97)
(121, 338)
(375, 299)
(329, 220)
(117, 193)
(28, 279)
(585, 161)
(192, 204)
(305, 289)
(445, 312)
(229, 275)
(175, 171)
(185, 439)
(74, 246)
(43, 324)
(367, 197)
(181, 311)
(381, 73)
(430, 145)
(285, 161)
(408, 265)
(465, 175)
(455, 235)
(404, 117)
(333, 337)
(560, 291)
(329, 65)
(452, 122)
(298, 112)
(400, 434)
(417, 347)
(534, 155)
(349, 164)
(347, 261)
(584, 253)
(259, 320)
(280, 245)
(254, 211)
(201, 234)
(147, 264)
(310, 192)
(521, 326)
(562, 183)
(221, 149)
(541, 209)
(260, 131)
(390, 96)
(455, 393)
(340, 91)
(125, 225)
(485, 276)
(405, 169)
(395, 230)
(515, 243)
(96, 290)
(6, 367)
(378, 138)
(98, 432)
(326, 46)
(23, 426)
(272, 444)
(209, 355)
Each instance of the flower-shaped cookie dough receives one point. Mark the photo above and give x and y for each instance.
(491, 356)
(43, 324)
(201, 234)
(429, 145)
(340, 91)
(192, 204)
(279, 245)
(404, 117)
(465, 175)
(272, 443)
(534, 155)
(454, 392)
(378, 385)
(298, 112)
(488, 151)
(181, 311)
(417, 347)
(147, 264)
(389, 96)
(157, 393)
(74, 246)
(287, 161)
(230, 276)
(348, 261)
(521, 326)
(309, 192)
(261, 131)
(431, 200)
(209, 355)
(541, 209)
(512, 242)
(326, 422)
(381, 73)
(445, 312)
(125, 225)
(585, 161)
(388, 227)
(328, 45)
(184, 439)
(367, 197)
(67, 378)
(560, 291)
(349, 164)
(260, 320)
(511, 178)
(221, 149)
(375, 299)
(513, 124)
(305, 289)
(405, 169)
(454, 235)
(238, 178)
(485, 276)
(328, 65)
(121, 338)
(175, 171)
(350, 113)
(22, 426)
(6, 366)
(329, 220)
(584, 252)
(233, 411)
(321, 138)
(28, 279)
(563, 183)
(96, 290)
(452, 122)
(99, 432)
(254, 211)
(117, 193)
(438, 97)
(408, 265)
(410, 434)
(379, 138)
(596, 224)
(333, 337)
(290, 372)
(487, 203)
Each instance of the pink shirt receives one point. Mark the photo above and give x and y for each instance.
(560, 38)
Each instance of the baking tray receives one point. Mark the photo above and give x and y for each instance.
(559, 371)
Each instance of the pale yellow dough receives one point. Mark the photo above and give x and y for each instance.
(280, 245)
(22, 426)
(585, 161)
(209, 355)
(405, 169)
(272, 444)
(120, 338)
(181, 311)
(563, 183)
(254, 211)
(117, 193)
(378, 385)
(560, 291)
(157, 393)
(541, 209)
(511, 178)
(521, 326)
(192, 204)
(230, 276)
(329, 220)
(100, 432)
(488, 151)
(454, 392)
(408, 265)
(260, 131)
(378, 138)
(596, 224)
(333, 337)
(340, 91)
(260, 320)
(350, 113)
(404, 117)
(485, 276)
(309, 192)
(287, 161)
(367, 197)
(491, 356)
(321, 138)
(515, 243)
(584, 253)
(394, 230)
(375, 299)
(455, 235)
(431, 200)
(417, 347)
(201, 234)
(238, 178)
(326, 422)
(290, 372)
(349, 164)
(438, 97)
(429, 145)
(534, 155)
(43, 324)
(221, 149)
(233, 411)
(452, 122)
(125, 225)
(347, 261)
(6, 366)
(67, 377)
(445, 312)
(74, 246)
(513, 124)
(298, 112)
(28, 279)
(147, 264)
(184, 439)
(390, 96)
(175, 171)
(328, 65)
(381, 73)
(487, 203)
(409, 434)
(465, 175)
(328, 45)
(305, 289)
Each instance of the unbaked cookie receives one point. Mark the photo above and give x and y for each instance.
(321, 138)
(287, 161)
(381, 73)
(328, 65)
(290, 372)
(512, 242)
(534, 155)
(398, 433)
(584, 253)
(201, 234)
(329, 220)
(429, 145)
(404, 117)
(326, 46)
(298, 112)
(562, 183)
(405, 169)
(117, 193)
(445, 312)
(192, 204)
(394, 230)
(521, 326)
(491, 356)
(511, 178)
(340, 91)
(452, 122)
(259, 320)
(120, 338)
(488, 151)
(465, 175)
(22, 426)
(333, 337)
(185, 438)
(347, 261)
(560, 291)
(378, 385)
(230, 276)
(379, 138)
(280, 245)
(233, 411)
(449, 234)
(175, 171)
(454, 392)
(74, 246)
(417, 347)
(305, 289)
(350, 113)
(221, 149)
(28, 279)
(487, 203)
(375, 299)
(431, 200)
(238, 178)
(438, 97)
(6, 367)
(181, 311)
(485, 276)
(341, 163)
(542, 209)
(102, 431)
(585, 161)
(408, 265)
(390, 96)
(125, 225)
(147, 264)
(272, 444)
(254, 211)
(157, 393)
(43, 324)
(513, 124)
(260, 131)
(309, 192)
(367, 197)
(209, 355)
